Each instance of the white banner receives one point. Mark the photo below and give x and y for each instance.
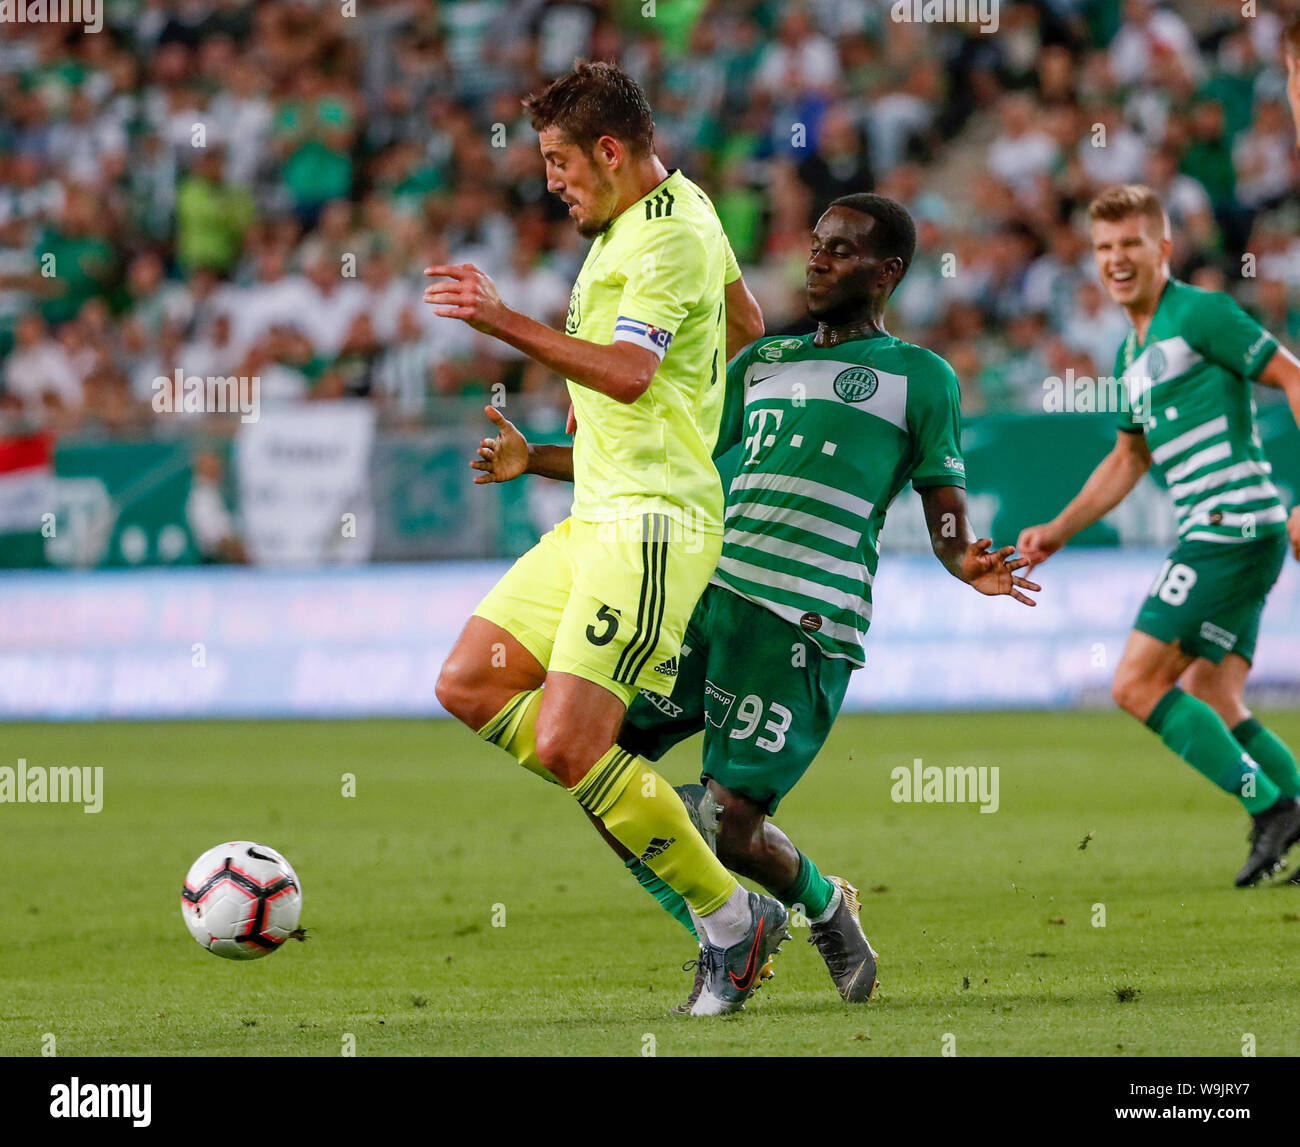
(369, 641)
(25, 495)
(304, 483)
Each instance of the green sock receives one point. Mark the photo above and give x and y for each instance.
(1197, 734)
(1273, 756)
(669, 900)
(811, 890)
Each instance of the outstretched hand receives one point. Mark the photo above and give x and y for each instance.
(1037, 544)
(504, 457)
(994, 573)
(465, 292)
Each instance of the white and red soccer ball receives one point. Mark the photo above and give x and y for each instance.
(242, 900)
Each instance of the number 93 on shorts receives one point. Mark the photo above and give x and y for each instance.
(607, 602)
(761, 690)
(1209, 596)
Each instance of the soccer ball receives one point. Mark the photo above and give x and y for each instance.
(242, 900)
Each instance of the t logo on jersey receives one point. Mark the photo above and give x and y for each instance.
(758, 424)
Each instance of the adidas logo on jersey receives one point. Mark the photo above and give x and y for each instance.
(668, 668)
(659, 206)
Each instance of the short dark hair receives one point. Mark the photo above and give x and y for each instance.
(595, 99)
(894, 234)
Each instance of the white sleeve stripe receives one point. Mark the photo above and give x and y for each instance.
(643, 334)
(643, 341)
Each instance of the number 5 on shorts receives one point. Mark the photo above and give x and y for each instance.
(609, 619)
(1174, 583)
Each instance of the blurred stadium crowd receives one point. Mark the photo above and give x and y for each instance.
(253, 189)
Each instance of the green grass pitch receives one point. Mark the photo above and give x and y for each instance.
(984, 922)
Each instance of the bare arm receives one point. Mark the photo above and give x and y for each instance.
(991, 572)
(744, 318)
(1108, 485)
(950, 530)
(620, 370)
(1283, 372)
(551, 462)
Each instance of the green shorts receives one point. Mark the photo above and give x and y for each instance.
(1209, 596)
(761, 690)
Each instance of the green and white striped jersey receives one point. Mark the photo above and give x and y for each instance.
(1188, 390)
(821, 440)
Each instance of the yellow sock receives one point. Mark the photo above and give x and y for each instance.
(514, 729)
(643, 814)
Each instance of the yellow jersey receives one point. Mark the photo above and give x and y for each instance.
(655, 277)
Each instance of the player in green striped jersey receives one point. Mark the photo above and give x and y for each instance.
(819, 435)
(1187, 366)
(1291, 56)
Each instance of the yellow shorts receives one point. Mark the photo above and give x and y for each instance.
(606, 602)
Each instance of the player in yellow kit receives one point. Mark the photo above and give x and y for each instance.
(597, 609)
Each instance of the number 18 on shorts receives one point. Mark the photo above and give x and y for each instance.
(1209, 596)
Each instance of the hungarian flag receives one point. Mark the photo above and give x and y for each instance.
(26, 495)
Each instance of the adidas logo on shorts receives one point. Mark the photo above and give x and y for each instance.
(668, 668)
